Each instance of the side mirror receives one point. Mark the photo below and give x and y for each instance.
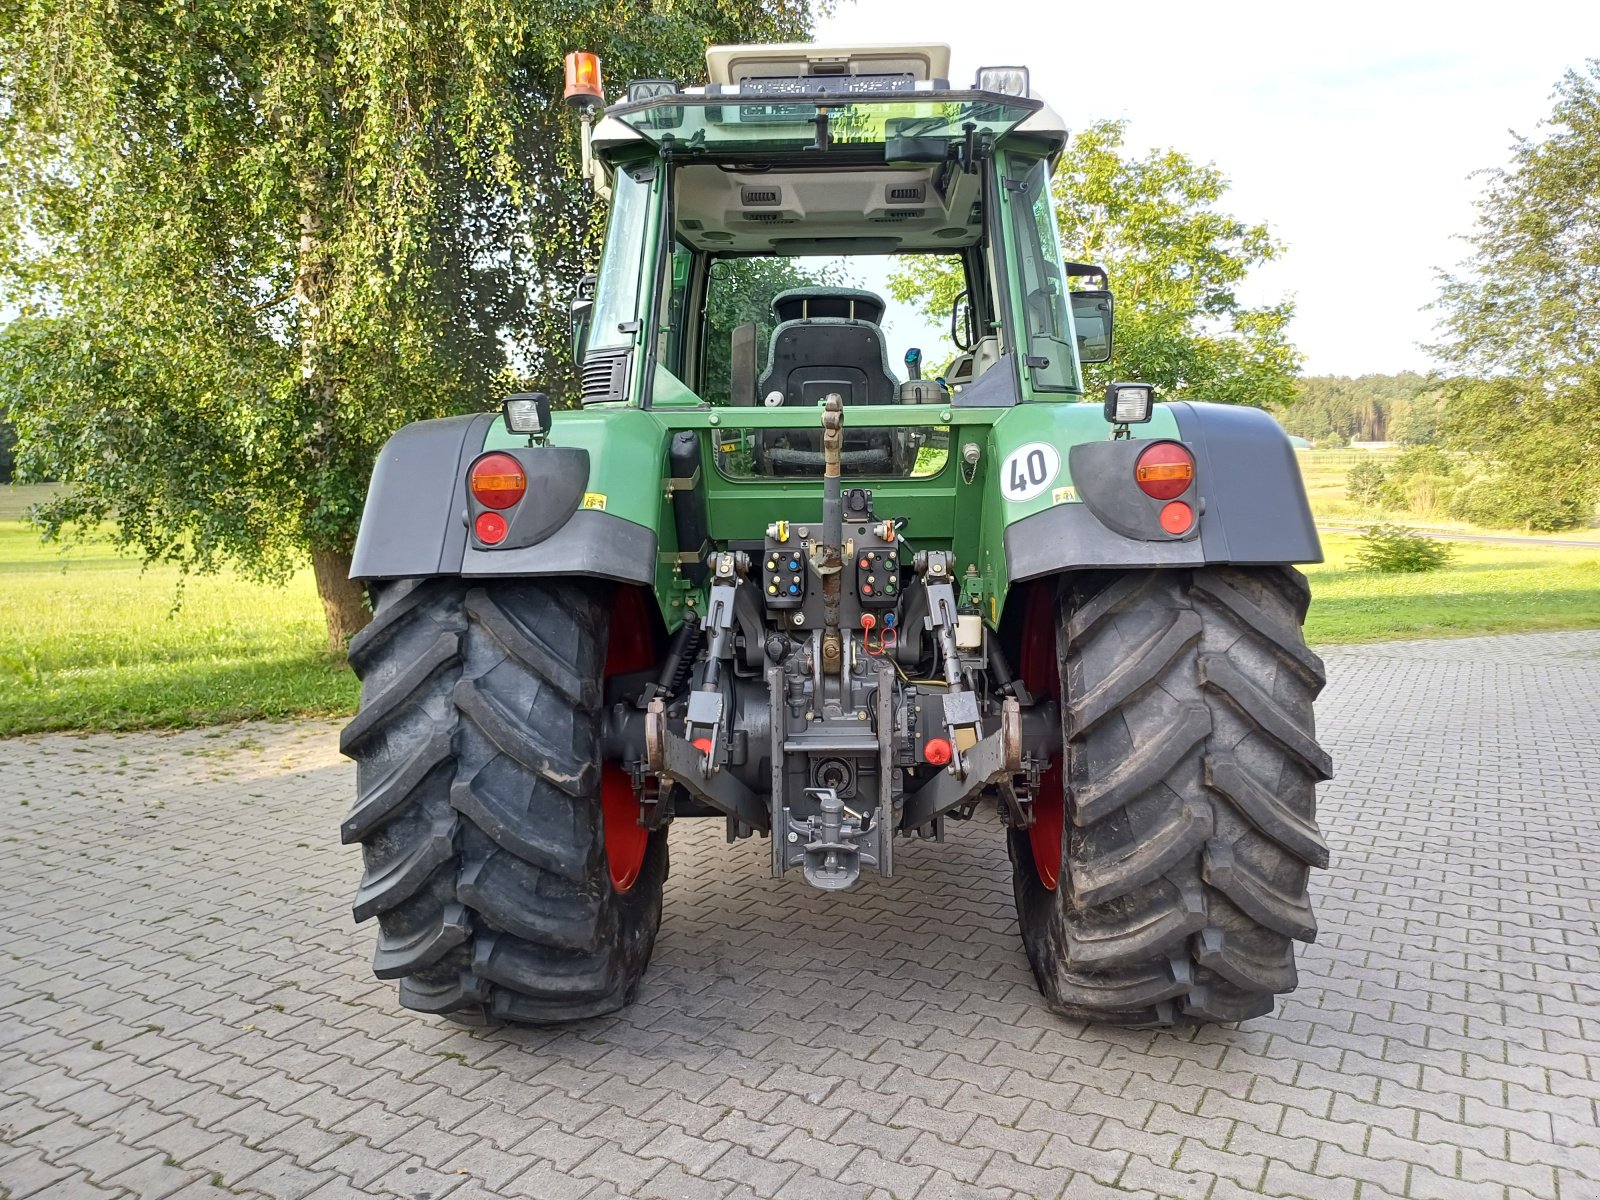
(1091, 317)
(962, 332)
(1091, 312)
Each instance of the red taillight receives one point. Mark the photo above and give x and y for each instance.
(1164, 471)
(498, 481)
(490, 528)
(1176, 517)
(937, 751)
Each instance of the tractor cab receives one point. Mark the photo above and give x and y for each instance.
(816, 221)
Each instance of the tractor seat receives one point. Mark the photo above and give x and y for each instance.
(827, 340)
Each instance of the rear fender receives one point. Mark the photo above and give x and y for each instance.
(418, 513)
(1248, 491)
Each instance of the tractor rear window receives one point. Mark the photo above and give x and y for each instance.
(870, 452)
(875, 340)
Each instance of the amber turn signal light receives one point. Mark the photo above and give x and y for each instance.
(497, 481)
(1164, 471)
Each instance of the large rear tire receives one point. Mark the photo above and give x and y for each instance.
(480, 812)
(1164, 879)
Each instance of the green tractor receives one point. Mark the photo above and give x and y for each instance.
(763, 574)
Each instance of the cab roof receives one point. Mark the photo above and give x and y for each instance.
(730, 66)
(786, 75)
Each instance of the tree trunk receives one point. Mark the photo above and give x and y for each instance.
(344, 601)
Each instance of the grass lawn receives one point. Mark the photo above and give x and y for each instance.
(1488, 589)
(89, 640)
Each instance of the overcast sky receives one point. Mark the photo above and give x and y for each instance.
(1352, 129)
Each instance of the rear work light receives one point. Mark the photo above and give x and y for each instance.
(1164, 471)
(498, 481)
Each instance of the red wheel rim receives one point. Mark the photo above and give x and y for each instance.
(626, 839)
(1043, 678)
(631, 648)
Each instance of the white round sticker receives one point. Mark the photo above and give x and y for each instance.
(1028, 470)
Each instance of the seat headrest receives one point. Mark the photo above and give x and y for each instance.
(802, 304)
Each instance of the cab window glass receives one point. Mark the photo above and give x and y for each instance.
(1041, 287)
(616, 304)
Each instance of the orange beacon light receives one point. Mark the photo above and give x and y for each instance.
(585, 88)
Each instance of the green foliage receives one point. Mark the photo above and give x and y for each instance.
(1526, 302)
(249, 241)
(1525, 310)
(1401, 408)
(1530, 452)
(1415, 420)
(1363, 483)
(1390, 549)
(929, 282)
(1176, 261)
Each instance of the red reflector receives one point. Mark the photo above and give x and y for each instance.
(497, 481)
(703, 745)
(490, 528)
(937, 751)
(1164, 471)
(1176, 517)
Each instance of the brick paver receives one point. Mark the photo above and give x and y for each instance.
(185, 1008)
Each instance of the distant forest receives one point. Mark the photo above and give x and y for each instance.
(1333, 410)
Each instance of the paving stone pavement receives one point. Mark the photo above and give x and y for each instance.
(185, 1008)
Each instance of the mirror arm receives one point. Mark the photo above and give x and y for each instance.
(1077, 270)
(964, 296)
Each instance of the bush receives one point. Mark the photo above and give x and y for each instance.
(1511, 500)
(1363, 483)
(8, 446)
(1394, 548)
(1422, 480)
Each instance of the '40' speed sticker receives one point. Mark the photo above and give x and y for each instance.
(1028, 470)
